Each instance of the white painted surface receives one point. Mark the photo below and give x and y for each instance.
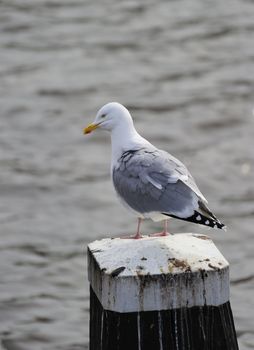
(181, 270)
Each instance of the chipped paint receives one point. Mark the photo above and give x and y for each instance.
(117, 271)
(202, 237)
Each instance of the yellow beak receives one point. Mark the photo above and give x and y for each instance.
(90, 128)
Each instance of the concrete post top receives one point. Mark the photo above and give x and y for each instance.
(158, 273)
(157, 255)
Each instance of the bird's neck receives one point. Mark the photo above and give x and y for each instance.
(124, 138)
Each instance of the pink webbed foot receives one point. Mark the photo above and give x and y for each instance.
(137, 235)
(159, 234)
(163, 233)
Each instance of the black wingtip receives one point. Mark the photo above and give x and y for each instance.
(199, 218)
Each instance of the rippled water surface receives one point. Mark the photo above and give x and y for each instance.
(185, 69)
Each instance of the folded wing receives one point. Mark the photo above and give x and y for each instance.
(151, 180)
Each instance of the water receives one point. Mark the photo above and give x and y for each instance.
(186, 71)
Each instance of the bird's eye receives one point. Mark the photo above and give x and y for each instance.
(103, 115)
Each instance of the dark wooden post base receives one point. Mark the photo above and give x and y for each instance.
(195, 328)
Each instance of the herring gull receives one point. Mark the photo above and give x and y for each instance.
(149, 181)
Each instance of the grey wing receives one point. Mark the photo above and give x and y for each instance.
(154, 181)
(185, 175)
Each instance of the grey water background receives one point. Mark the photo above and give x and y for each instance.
(185, 69)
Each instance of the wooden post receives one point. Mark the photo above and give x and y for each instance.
(159, 293)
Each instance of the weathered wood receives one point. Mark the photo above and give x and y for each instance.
(159, 293)
(196, 328)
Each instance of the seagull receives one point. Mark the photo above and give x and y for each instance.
(149, 181)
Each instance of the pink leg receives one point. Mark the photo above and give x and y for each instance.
(138, 234)
(163, 233)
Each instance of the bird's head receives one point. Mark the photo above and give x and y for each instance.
(109, 117)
